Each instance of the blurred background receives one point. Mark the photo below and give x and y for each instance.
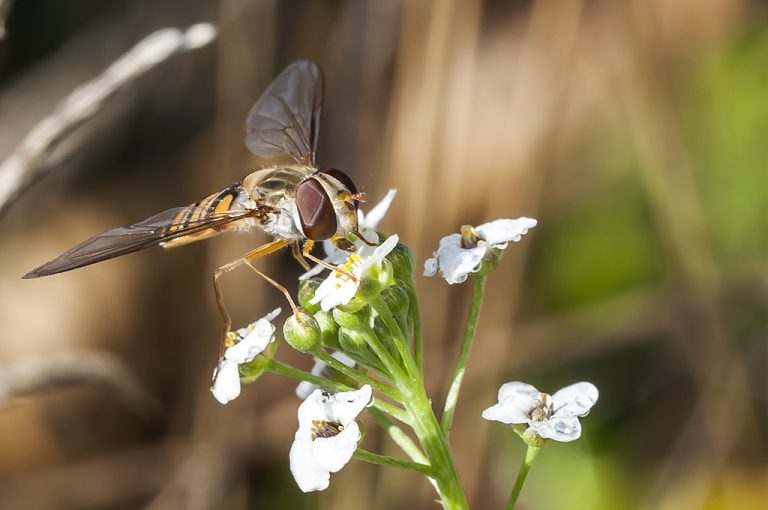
(635, 132)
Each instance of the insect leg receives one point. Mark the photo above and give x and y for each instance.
(363, 239)
(247, 258)
(306, 252)
(296, 252)
(277, 286)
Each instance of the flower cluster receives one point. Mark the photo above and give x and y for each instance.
(361, 324)
(338, 288)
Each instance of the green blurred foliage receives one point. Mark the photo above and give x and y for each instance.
(726, 118)
(609, 230)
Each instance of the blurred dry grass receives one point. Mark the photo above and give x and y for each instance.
(633, 131)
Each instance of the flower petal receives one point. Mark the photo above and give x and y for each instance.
(505, 414)
(312, 460)
(430, 267)
(575, 400)
(455, 262)
(377, 213)
(515, 402)
(226, 381)
(516, 389)
(313, 408)
(308, 474)
(344, 407)
(338, 289)
(563, 429)
(380, 252)
(333, 292)
(333, 453)
(498, 233)
(254, 339)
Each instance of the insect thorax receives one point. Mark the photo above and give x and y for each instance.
(275, 189)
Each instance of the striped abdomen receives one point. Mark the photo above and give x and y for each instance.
(209, 208)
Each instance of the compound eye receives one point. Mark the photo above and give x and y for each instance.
(318, 219)
(341, 177)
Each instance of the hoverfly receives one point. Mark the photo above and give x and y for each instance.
(295, 203)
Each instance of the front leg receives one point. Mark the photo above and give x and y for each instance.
(296, 252)
(306, 253)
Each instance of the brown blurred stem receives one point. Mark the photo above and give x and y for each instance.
(31, 158)
(5, 6)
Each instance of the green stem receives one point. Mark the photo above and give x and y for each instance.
(392, 367)
(435, 444)
(278, 368)
(340, 367)
(375, 458)
(418, 338)
(386, 315)
(397, 435)
(530, 456)
(469, 335)
(423, 420)
(392, 410)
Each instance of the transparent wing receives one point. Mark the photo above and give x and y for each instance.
(286, 119)
(167, 225)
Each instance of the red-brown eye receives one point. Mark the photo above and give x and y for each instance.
(341, 177)
(318, 219)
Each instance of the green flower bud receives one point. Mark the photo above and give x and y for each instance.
(302, 332)
(397, 300)
(307, 290)
(359, 320)
(387, 338)
(530, 437)
(380, 330)
(352, 341)
(402, 262)
(370, 285)
(252, 370)
(329, 330)
(354, 305)
(377, 278)
(490, 261)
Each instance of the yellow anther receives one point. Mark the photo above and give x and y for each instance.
(231, 339)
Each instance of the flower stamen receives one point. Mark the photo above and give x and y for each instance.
(542, 408)
(326, 429)
(345, 271)
(469, 237)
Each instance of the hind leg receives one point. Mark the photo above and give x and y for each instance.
(245, 259)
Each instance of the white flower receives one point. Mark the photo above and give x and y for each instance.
(327, 436)
(250, 342)
(338, 288)
(461, 254)
(550, 416)
(304, 388)
(365, 222)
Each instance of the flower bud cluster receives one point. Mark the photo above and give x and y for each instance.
(347, 326)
